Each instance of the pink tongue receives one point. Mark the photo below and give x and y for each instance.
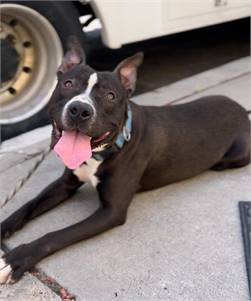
(73, 148)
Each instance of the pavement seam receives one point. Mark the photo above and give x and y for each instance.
(209, 87)
(46, 280)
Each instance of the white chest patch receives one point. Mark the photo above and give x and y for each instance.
(87, 172)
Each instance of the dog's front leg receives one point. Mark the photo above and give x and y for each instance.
(111, 213)
(54, 194)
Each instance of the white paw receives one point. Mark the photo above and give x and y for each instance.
(5, 272)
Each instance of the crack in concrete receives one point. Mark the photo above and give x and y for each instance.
(46, 280)
(209, 87)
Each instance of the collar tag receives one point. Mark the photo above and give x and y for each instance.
(126, 134)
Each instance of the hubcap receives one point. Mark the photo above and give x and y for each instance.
(31, 53)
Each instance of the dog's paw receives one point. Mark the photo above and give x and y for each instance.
(15, 263)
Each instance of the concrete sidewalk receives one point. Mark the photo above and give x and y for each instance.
(181, 242)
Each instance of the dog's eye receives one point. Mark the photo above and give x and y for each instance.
(110, 96)
(68, 84)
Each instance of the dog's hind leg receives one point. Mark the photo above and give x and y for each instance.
(237, 156)
(54, 194)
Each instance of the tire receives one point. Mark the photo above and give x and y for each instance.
(44, 26)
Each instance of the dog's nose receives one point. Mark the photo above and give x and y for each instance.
(80, 110)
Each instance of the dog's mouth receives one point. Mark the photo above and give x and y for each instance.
(101, 140)
(74, 147)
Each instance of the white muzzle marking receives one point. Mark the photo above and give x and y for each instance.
(84, 97)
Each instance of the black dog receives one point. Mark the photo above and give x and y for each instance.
(121, 148)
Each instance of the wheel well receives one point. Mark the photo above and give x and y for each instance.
(84, 9)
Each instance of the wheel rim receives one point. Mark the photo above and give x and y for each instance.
(36, 53)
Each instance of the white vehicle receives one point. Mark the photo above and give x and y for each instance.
(127, 21)
(33, 34)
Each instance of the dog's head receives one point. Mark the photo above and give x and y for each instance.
(90, 104)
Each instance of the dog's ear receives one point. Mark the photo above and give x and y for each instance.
(127, 71)
(74, 55)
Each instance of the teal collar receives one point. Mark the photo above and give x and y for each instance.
(123, 137)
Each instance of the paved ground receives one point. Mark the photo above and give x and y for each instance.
(181, 242)
(28, 289)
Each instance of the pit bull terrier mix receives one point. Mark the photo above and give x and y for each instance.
(121, 148)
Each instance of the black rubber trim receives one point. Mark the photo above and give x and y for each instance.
(245, 216)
